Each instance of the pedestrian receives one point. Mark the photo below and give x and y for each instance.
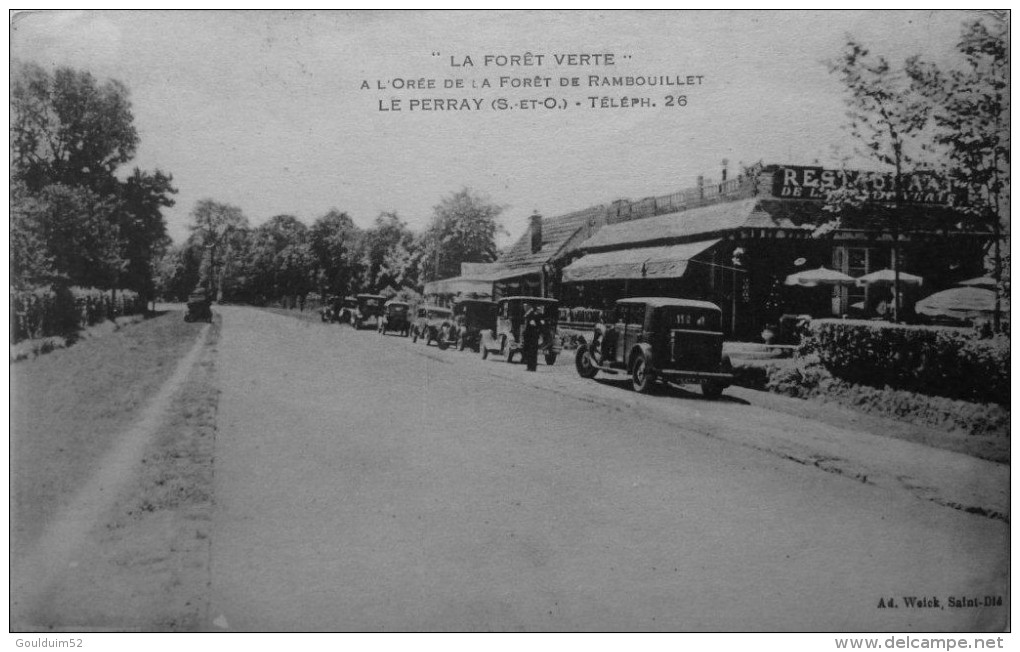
(533, 327)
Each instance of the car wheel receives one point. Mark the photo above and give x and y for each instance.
(550, 359)
(641, 378)
(711, 389)
(584, 364)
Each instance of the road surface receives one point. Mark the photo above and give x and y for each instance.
(365, 483)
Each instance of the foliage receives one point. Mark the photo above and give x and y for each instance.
(463, 230)
(80, 234)
(972, 126)
(67, 128)
(885, 114)
(934, 361)
(47, 311)
(387, 254)
(143, 236)
(280, 258)
(73, 221)
(813, 381)
(333, 241)
(214, 229)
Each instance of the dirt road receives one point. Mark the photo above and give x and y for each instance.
(367, 483)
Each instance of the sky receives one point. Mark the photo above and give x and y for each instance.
(267, 110)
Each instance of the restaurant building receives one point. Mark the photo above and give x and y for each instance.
(735, 243)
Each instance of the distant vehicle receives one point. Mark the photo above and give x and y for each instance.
(369, 308)
(660, 339)
(348, 307)
(199, 307)
(433, 324)
(396, 317)
(472, 317)
(507, 338)
(330, 310)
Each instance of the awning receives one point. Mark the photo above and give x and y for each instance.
(459, 285)
(644, 263)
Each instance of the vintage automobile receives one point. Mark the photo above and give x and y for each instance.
(330, 310)
(345, 313)
(396, 317)
(659, 339)
(433, 324)
(472, 318)
(370, 307)
(199, 306)
(507, 338)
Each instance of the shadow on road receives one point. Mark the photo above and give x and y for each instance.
(622, 382)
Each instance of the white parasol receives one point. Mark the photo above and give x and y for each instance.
(810, 278)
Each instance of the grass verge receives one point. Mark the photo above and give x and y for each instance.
(145, 565)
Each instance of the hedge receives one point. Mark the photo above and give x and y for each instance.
(59, 310)
(813, 381)
(937, 361)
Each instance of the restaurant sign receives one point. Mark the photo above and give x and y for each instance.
(801, 182)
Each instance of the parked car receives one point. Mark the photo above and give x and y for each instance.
(348, 307)
(473, 317)
(433, 324)
(507, 338)
(660, 339)
(396, 317)
(330, 310)
(199, 306)
(369, 308)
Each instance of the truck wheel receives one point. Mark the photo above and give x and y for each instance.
(584, 364)
(641, 378)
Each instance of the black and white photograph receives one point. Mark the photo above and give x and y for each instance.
(446, 321)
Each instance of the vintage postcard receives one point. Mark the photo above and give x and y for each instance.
(510, 321)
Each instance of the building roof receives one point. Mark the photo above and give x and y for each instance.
(640, 263)
(704, 221)
(557, 232)
(762, 213)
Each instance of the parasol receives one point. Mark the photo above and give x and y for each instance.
(889, 276)
(986, 282)
(961, 302)
(810, 278)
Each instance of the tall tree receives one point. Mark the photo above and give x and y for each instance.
(143, 235)
(68, 128)
(971, 115)
(214, 224)
(463, 230)
(387, 254)
(887, 116)
(281, 258)
(333, 240)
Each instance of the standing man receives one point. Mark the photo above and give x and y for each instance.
(533, 326)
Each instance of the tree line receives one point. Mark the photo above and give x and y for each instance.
(76, 218)
(284, 258)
